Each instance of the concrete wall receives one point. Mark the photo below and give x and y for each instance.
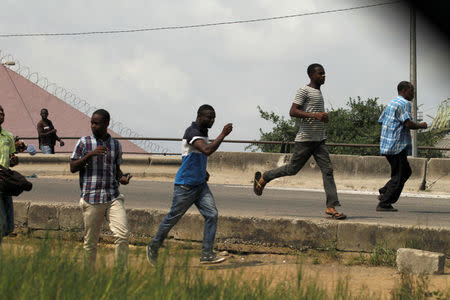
(351, 172)
(241, 233)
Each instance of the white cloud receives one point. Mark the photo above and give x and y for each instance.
(154, 81)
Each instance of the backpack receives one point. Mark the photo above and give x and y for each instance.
(13, 183)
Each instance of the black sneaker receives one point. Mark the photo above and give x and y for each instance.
(386, 208)
(210, 258)
(152, 254)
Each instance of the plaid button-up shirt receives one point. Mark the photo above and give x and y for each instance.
(394, 135)
(98, 179)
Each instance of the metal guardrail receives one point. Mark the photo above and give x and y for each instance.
(238, 142)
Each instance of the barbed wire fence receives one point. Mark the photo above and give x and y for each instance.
(78, 103)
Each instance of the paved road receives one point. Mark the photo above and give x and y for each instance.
(276, 202)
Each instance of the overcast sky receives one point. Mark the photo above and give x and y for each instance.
(154, 81)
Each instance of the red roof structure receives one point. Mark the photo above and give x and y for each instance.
(22, 101)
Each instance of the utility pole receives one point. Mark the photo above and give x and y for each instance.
(413, 75)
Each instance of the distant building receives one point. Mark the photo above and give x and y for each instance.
(22, 101)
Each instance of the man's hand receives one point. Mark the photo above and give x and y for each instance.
(125, 179)
(423, 125)
(13, 160)
(227, 129)
(207, 176)
(61, 143)
(321, 116)
(100, 150)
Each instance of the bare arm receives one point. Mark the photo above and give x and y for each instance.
(412, 125)
(78, 164)
(210, 148)
(296, 112)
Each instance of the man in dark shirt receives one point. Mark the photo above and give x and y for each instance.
(47, 134)
(191, 187)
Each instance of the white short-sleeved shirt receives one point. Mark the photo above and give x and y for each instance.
(310, 100)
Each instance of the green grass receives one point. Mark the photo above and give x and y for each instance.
(50, 269)
(55, 270)
(382, 256)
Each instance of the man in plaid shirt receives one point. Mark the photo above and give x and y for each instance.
(395, 144)
(98, 158)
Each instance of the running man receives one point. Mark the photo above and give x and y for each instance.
(308, 107)
(395, 144)
(191, 187)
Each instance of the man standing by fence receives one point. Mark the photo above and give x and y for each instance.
(191, 187)
(98, 158)
(395, 144)
(47, 134)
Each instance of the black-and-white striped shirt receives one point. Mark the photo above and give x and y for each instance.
(310, 100)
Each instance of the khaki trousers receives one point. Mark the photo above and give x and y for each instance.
(114, 213)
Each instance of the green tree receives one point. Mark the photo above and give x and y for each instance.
(357, 123)
(283, 131)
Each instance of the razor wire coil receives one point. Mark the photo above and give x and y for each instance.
(78, 103)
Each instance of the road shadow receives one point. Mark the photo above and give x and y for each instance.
(429, 212)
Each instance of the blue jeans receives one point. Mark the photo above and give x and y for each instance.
(6, 215)
(46, 149)
(183, 198)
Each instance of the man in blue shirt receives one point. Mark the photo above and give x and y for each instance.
(395, 144)
(191, 187)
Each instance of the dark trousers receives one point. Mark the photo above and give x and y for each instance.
(400, 172)
(6, 215)
(302, 152)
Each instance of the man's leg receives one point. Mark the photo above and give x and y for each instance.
(9, 209)
(395, 185)
(45, 149)
(322, 158)
(93, 215)
(207, 207)
(183, 198)
(302, 152)
(116, 215)
(3, 220)
(404, 172)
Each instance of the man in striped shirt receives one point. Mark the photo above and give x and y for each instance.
(308, 107)
(395, 144)
(98, 158)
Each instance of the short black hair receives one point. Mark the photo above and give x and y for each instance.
(403, 85)
(312, 68)
(205, 107)
(1, 108)
(44, 109)
(103, 113)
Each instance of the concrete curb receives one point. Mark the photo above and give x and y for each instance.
(251, 234)
(351, 172)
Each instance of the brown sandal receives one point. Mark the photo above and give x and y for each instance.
(336, 215)
(258, 184)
